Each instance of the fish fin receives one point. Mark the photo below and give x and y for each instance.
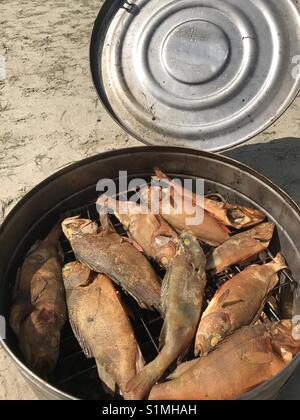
(279, 262)
(232, 303)
(274, 280)
(172, 198)
(155, 178)
(140, 362)
(33, 248)
(162, 337)
(174, 187)
(258, 358)
(89, 279)
(141, 304)
(108, 382)
(259, 312)
(81, 341)
(272, 283)
(39, 286)
(165, 290)
(60, 252)
(181, 369)
(157, 219)
(106, 225)
(132, 242)
(128, 310)
(102, 200)
(223, 297)
(163, 232)
(160, 174)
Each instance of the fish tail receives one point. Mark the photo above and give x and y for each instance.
(279, 262)
(139, 387)
(102, 200)
(160, 174)
(106, 224)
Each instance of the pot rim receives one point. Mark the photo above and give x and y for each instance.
(136, 150)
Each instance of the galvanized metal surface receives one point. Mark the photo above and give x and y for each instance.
(75, 187)
(206, 74)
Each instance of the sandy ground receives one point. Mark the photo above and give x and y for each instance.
(50, 115)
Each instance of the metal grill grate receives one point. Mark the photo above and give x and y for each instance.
(78, 376)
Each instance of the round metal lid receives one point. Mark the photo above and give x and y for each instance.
(206, 74)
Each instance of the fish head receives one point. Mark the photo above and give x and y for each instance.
(244, 217)
(189, 245)
(285, 336)
(75, 275)
(213, 328)
(75, 226)
(236, 216)
(168, 248)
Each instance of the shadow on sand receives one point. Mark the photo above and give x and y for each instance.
(279, 160)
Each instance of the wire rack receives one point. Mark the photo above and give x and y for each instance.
(78, 376)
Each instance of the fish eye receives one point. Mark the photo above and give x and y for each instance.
(187, 242)
(164, 260)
